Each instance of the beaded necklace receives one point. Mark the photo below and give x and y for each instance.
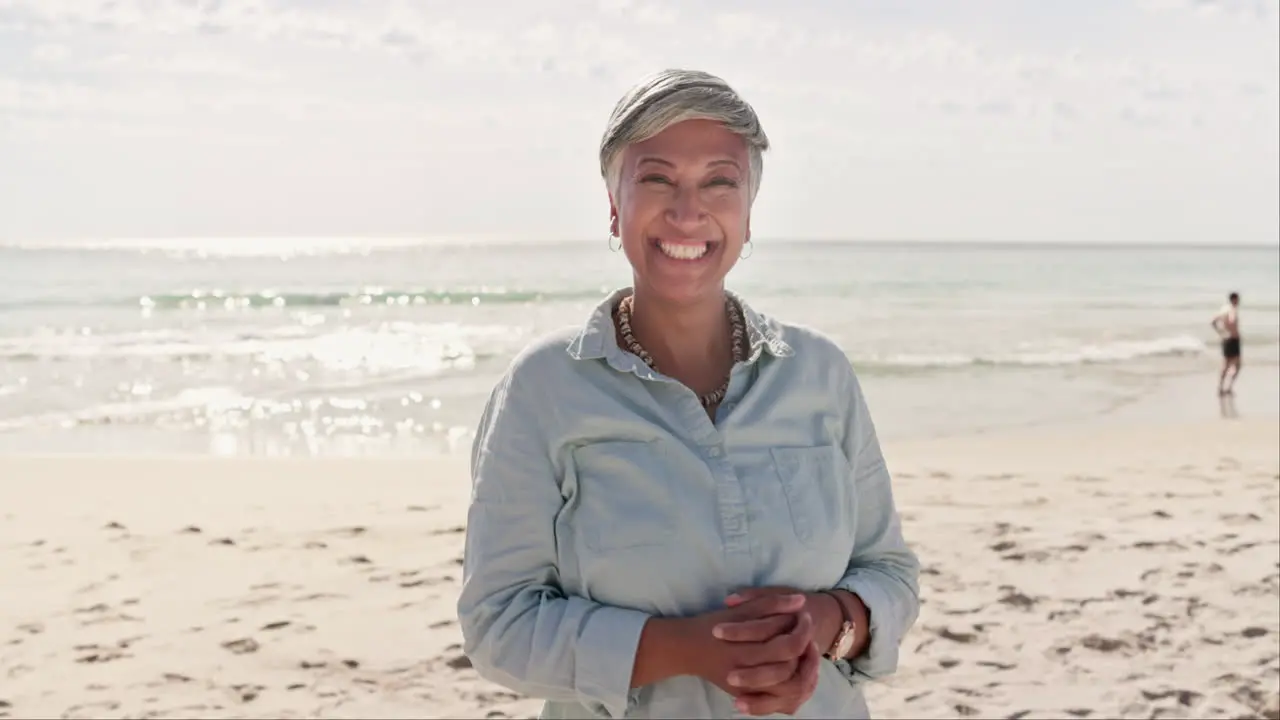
(738, 330)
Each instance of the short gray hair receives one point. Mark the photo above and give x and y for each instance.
(665, 98)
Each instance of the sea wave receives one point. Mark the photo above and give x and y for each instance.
(257, 247)
(419, 347)
(212, 300)
(1064, 356)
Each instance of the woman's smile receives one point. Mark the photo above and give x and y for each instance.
(685, 251)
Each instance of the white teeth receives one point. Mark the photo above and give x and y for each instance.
(683, 252)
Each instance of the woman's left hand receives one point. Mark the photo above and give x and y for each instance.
(787, 696)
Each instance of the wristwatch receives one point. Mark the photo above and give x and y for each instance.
(848, 634)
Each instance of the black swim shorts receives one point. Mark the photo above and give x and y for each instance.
(1231, 348)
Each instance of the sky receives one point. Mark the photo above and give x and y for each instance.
(997, 120)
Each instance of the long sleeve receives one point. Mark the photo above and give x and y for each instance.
(882, 571)
(519, 628)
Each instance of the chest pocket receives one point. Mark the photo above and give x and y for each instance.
(623, 496)
(818, 485)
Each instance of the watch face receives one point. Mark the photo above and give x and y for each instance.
(846, 643)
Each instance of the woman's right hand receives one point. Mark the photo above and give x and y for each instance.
(782, 635)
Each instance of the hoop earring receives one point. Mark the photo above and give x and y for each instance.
(612, 237)
(748, 248)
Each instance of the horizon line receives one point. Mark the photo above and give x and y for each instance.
(176, 242)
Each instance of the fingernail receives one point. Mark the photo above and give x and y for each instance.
(797, 598)
(741, 705)
(717, 632)
(733, 598)
(735, 679)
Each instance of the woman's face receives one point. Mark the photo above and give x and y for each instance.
(682, 209)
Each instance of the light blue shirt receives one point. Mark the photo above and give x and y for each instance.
(604, 494)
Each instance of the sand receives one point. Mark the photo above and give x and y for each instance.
(1099, 572)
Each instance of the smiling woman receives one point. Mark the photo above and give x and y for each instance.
(680, 509)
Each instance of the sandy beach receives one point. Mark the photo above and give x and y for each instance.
(1120, 571)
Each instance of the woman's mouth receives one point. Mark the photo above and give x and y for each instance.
(683, 250)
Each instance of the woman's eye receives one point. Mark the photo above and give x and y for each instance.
(655, 179)
(724, 182)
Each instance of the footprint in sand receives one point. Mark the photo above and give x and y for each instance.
(1257, 700)
(1033, 556)
(248, 693)
(459, 662)
(427, 582)
(242, 646)
(1239, 518)
(1154, 544)
(1103, 644)
(1239, 548)
(1185, 698)
(1004, 528)
(1016, 599)
(101, 655)
(99, 709)
(965, 638)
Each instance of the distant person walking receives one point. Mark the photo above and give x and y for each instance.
(1227, 325)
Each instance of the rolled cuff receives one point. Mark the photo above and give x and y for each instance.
(605, 658)
(881, 656)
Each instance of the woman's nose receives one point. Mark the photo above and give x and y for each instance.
(686, 208)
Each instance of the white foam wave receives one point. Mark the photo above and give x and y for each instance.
(251, 247)
(425, 347)
(1049, 356)
(214, 400)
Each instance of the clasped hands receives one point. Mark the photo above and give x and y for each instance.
(760, 649)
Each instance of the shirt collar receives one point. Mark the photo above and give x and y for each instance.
(597, 339)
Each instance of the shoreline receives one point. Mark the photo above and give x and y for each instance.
(904, 411)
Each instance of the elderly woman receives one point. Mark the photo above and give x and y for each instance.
(680, 508)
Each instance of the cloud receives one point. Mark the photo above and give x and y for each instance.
(251, 18)
(179, 63)
(455, 96)
(1252, 10)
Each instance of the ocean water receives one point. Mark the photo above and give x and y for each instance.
(305, 347)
